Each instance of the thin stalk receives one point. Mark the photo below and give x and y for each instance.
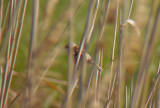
(70, 56)
(105, 18)
(20, 31)
(32, 47)
(15, 98)
(84, 36)
(18, 39)
(9, 77)
(86, 44)
(1, 76)
(57, 81)
(146, 58)
(113, 50)
(126, 98)
(153, 86)
(130, 9)
(46, 70)
(93, 22)
(100, 52)
(120, 58)
(1, 18)
(113, 90)
(6, 67)
(4, 20)
(98, 76)
(88, 86)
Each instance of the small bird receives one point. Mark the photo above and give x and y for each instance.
(87, 56)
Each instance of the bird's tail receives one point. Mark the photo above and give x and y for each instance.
(94, 64)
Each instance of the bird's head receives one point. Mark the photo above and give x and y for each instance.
(67, 46)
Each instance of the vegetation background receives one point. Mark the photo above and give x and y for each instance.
(121, 36)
